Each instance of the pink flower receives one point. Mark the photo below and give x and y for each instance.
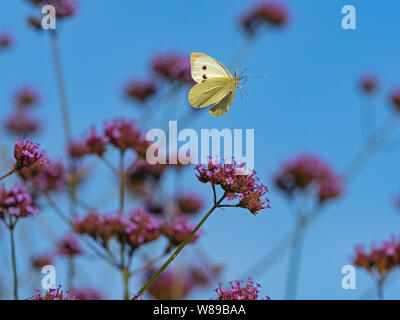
(270, 13)
(69, 246)
(173, 66)
(27, 154)
(6, 41)
(77, 149)
(177, 231)
(20, 123)
(64, 8)
(305, 171)
(16, 202)
(39, 261)
(87, 293)
(53, 294)
(395, 99)
(189, 203)
(244, 187)
(124, 134)
(237, 292)
(26, 97)
(369, 84)
(96, 143)
(140, 90)
(51, 176)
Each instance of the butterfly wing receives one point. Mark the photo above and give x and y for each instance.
(223, 106)
(204, 67)
(209, 92)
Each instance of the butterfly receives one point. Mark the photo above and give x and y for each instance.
(215, 85)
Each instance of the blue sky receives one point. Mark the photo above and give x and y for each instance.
(310, 102)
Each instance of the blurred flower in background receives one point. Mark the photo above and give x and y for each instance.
(140, 90)
(395, 99)
(64, 8)
(69, 246)
(263, 13)
(15, 202)
(41, 260)
(173, 67)
(369, 83)
(6, 41)
(87, 293)
(189, 203)
(177, 231)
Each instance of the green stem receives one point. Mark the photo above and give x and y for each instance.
(179, 249)
(7, 174)
(14, 263)
(126, 275)
(122, 184)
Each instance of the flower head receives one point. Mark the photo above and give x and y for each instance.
(237, 181)
(381, 259)
(173, 66)
(270, 13)
(177, 231)
(69, 246)
(26, 97)
(124, 134)
(64, 8)
(140, 90)
(39, 261)
(305, 171)
(395, 99)
(96, 143)
(53, 294)
(189, 203)
(27, 154)
(16, 202)
(237, 292)
(368, 84)
(21, 123)
(77, 149)
(6, 41)
(87, 293)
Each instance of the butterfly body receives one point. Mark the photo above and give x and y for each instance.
(215, 84)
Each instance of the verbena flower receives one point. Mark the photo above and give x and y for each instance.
(6, 41)
(177, 231)
(189, 203)
(395, 99)
(77, 149)
(124, 134)
(368, 83)
(308, 171)
(27, 154)
(140, 90)
(173, 66)
(96, 143)
(16, 202)
(172, 284)
(239, 292)
(379, 260)
(39, 261)
(69, 246)
(21, 123)
(269, 13)
(64, 8)
(87, 293)
(26, 97)
(53, 294)
(138, 228)
(246, 188)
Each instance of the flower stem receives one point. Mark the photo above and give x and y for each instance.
(379, 287)
(7, 174)
(126, 275)
(122, 184)
(14, 263)
(179, 249)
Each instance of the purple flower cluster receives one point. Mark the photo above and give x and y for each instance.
(69, 246)
(237, 181)
(395, 99)
(64, 8)
(27, 154)
(53, 294)
(306, 171)
(137, 228)
(237, 292)
(189, 203)
(140, 90)
(368, 83)
(16, 202)
(39, 261)
(6, 41)
(177, 231)
(265, 12)
(173, 66)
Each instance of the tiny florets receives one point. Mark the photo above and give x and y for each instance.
(237, 292)
(53, 294)
(16, 202)
(27, 154)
